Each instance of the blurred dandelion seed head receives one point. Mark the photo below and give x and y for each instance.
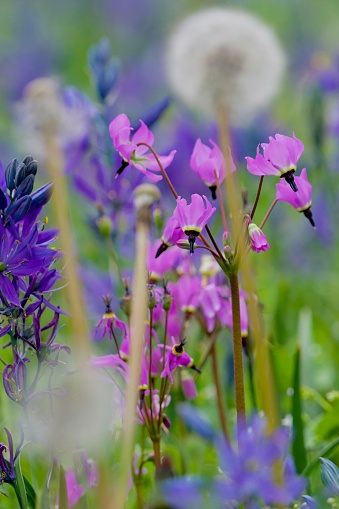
(44, 111)
(222, 57)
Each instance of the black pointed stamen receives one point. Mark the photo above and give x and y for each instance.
(308, 213)
(161, 249)
(192, 235)
(196, 369)
(124, 165)
(290, 180)
(213, 191)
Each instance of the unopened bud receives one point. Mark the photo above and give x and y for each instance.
(145, 196)
(104, 224)
(126, 304)
(151, 297)
(167, 301)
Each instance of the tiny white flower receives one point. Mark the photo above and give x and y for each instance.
(224, 57)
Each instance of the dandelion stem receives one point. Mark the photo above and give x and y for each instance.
(256, 201)
(220, 402)
(138, 316)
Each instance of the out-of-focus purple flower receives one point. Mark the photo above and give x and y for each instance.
(104, 69)
(196, 420)
(133, 153)
(248, 472)
(108, 322)
(74, 490)
(209, 164)
(158, 266)
(257, 238)
(280, 158)
(186, 293)
(193, 217)
(302, 199)
(7, 471)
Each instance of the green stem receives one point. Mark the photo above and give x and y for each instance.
(220, 402)
(156, 450)
(237, 353)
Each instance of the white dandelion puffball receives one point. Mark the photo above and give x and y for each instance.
(225, 58)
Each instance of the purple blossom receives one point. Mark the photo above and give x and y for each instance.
(280, 158)
(302, 199)
(193, 218)
(257, 238)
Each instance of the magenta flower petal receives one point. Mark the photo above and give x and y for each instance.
(143, 135)
(302, 199)
(257, 238)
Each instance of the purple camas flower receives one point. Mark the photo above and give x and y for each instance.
(193, 217)
(301, 200)
(132, 153)
(248, 473)
(257, 238)
(209, 164)
(280, 158)
(7, 471)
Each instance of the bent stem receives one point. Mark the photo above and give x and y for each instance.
(267, 215)
(220, 402)
(237, 354)
(256, 201)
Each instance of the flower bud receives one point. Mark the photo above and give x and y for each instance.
(104, 224)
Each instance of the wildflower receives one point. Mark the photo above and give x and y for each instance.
(177, 357)
(172, 233)
(108, 322)
(215, 61)
(248, 473)
(194, 217)
(280, 158)
(139, 156)
(7, 470)
(157, 266)
(301, 200)
(209, 164)
(257, 238)
(104, 69)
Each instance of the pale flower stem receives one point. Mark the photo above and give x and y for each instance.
(138, 318)
(268, 213)
(221, 203)
(61, 209)
(256, 201)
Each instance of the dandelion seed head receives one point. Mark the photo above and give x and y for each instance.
(222, 57)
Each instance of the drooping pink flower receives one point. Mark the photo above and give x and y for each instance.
(132, 153)
(186, 293)
(210, 304)
(193, 217)
(209, 163)
(280, 157)
(157, 267)
(177, 357)
(302, 200)
(172, 233)
(74, 490)
(257, 238)
(108, 322)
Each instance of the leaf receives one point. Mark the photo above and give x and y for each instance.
(31, 495)
(330, 476)
(63, 497)
(298, 443)
(21, 488)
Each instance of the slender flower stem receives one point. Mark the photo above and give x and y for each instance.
(150, 365)
(214, 242)
(220, 402)
(211, 341)
(256, 201)
(237, 354)
(268, 214)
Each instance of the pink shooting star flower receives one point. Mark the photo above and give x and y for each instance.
(177, 357)
(280, 158)
(257, 238)
(108, 322)
(209, 164)
(193, 217)
(133, 153)
(186, 293)
(157, 267)
(302, 200)
(172, 233)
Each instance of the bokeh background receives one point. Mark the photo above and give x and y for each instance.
(298, 279)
